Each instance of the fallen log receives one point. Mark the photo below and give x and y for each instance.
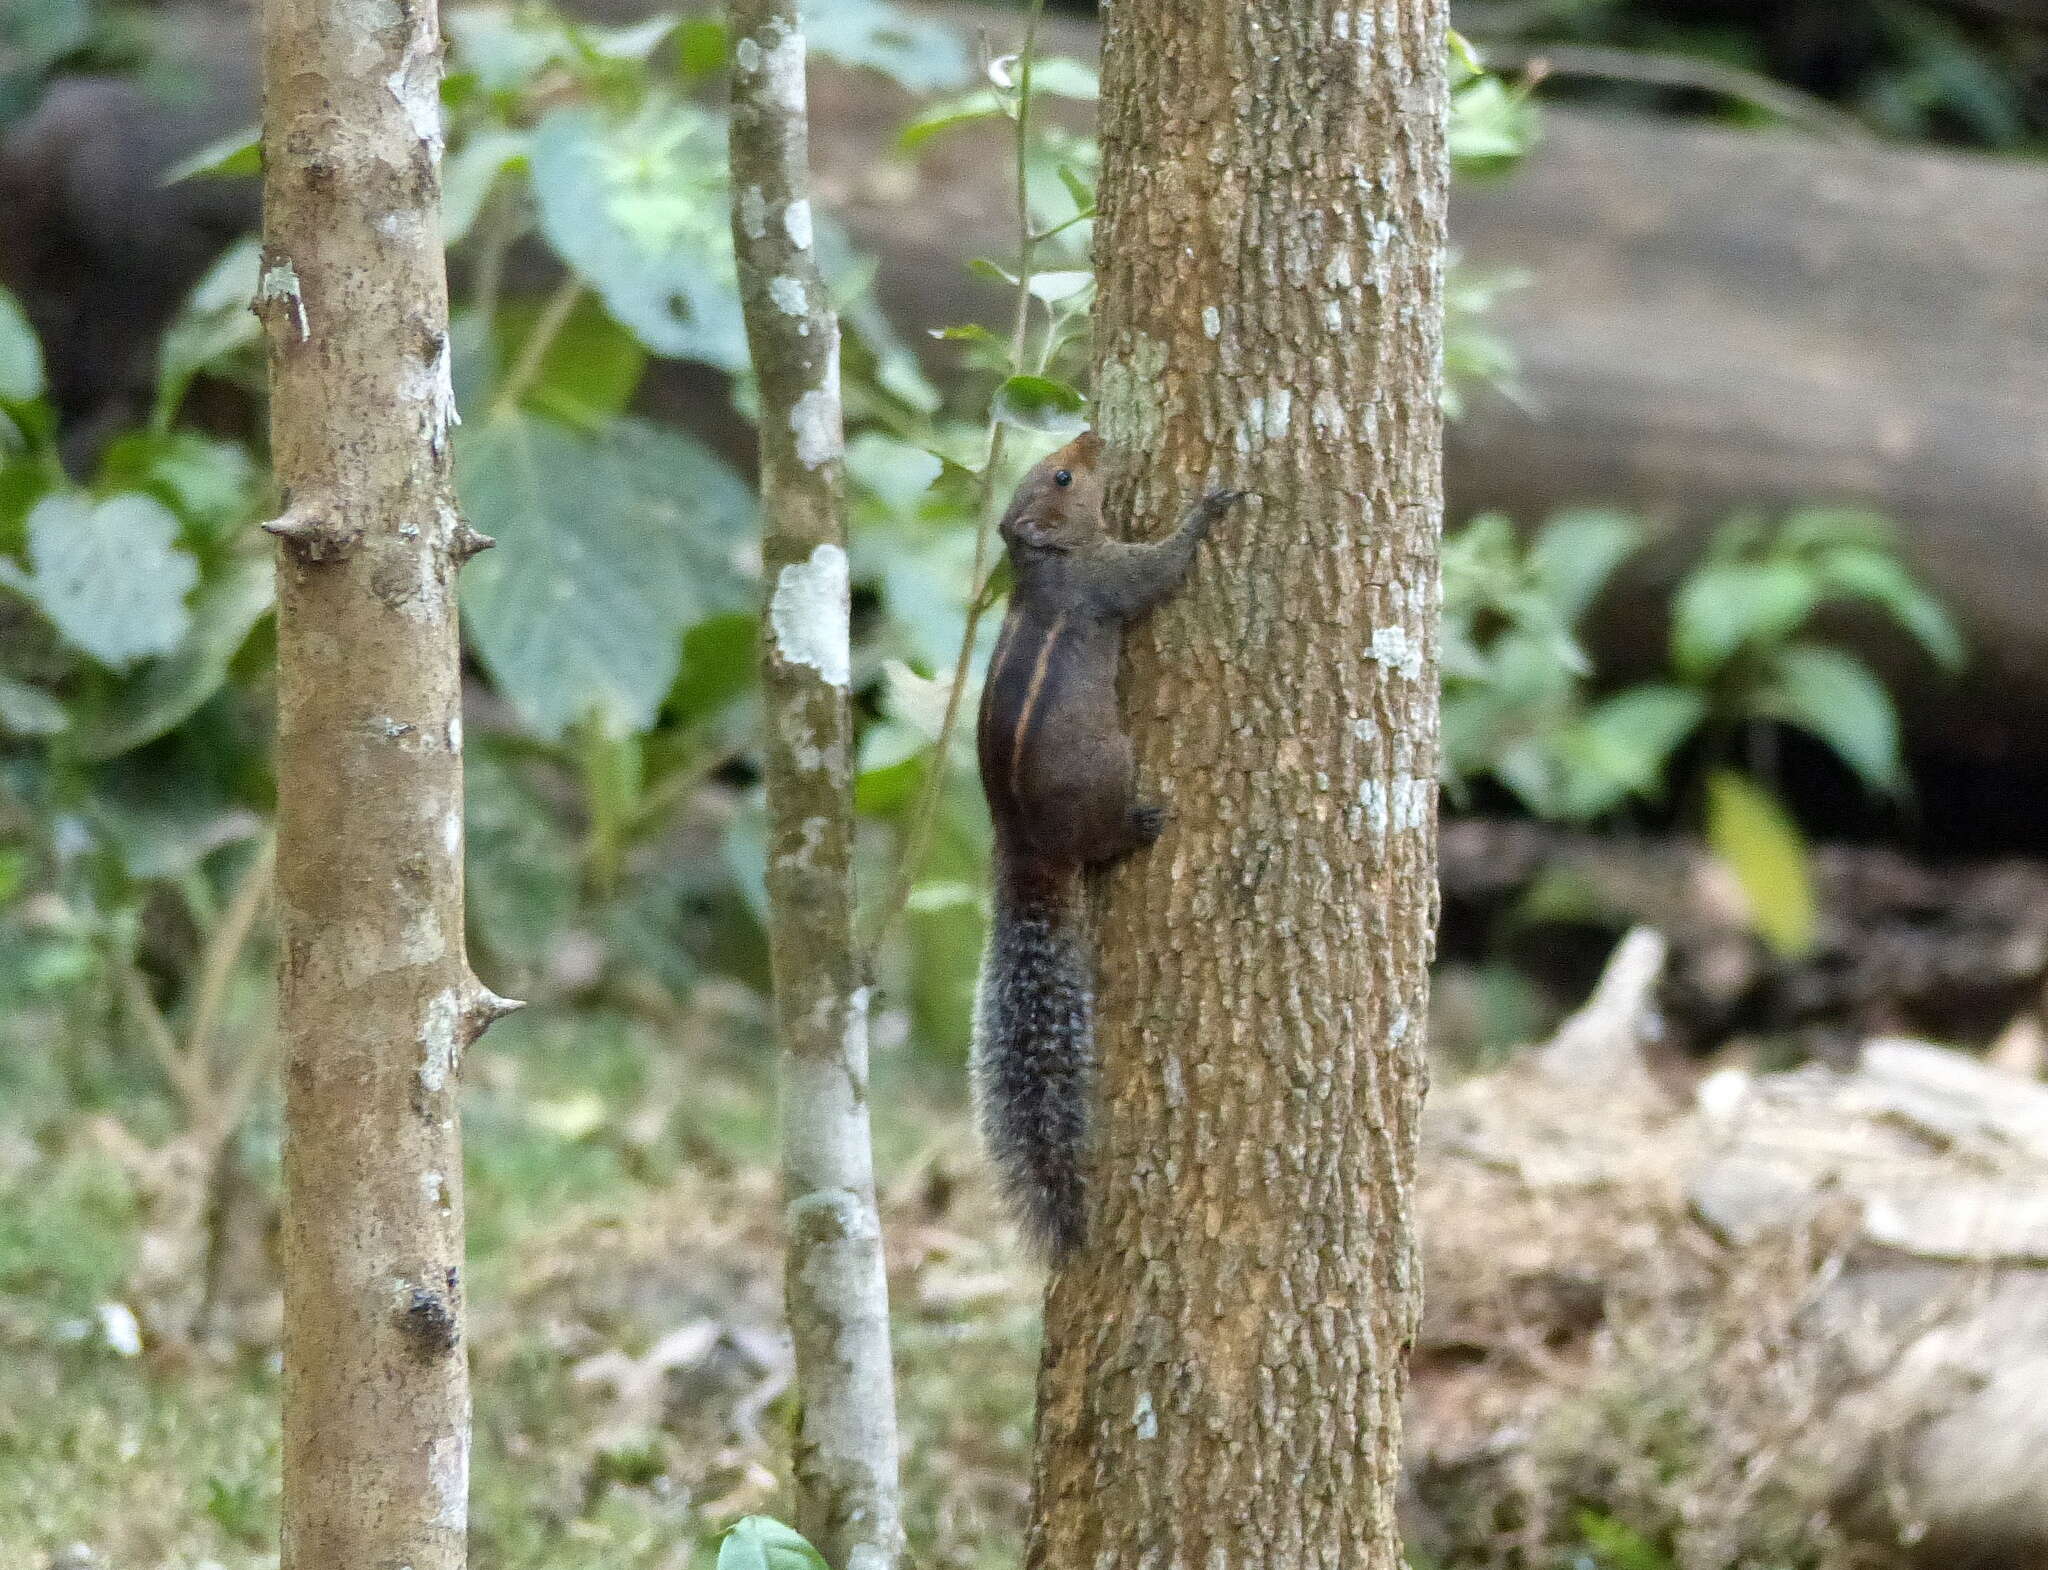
(1769, 1319)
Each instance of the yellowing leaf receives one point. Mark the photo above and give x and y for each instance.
(1749, 830)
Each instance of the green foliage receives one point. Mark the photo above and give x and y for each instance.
(1518, 705)
(759, 1542)
(636, 206)
(610, 546)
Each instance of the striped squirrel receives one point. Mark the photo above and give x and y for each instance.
(1058, 772)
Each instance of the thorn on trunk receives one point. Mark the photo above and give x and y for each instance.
(434, 1319)
(466, 542)
(312, 534)
(483, 1009)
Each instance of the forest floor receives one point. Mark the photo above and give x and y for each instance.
(630, 1375)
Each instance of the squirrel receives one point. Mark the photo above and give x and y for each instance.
(1059, 775)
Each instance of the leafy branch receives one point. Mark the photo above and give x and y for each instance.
(924, 814)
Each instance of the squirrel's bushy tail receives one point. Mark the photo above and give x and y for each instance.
(1034, 1049)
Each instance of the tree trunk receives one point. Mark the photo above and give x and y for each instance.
(838, 1297)
(377, 997)
(1224, 1362)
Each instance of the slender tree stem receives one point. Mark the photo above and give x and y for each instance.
(836, 1290)
(377, 1002)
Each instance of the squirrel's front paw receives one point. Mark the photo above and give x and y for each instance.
(1146, 823)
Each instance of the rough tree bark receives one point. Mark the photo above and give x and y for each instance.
(838, 1297)
(378, 1000)
(1224, 1362)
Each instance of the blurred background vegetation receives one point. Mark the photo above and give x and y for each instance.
(621, 1199)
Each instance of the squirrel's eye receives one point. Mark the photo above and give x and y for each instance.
(1062, 477)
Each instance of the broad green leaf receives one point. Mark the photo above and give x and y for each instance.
(1732, 605)
(1039, 403)
(469, 175)
(1834, 696)
(1491, 125)
(206, 480)
(111, 577)
(522, 872)
(167, 693)
(720, 661)
(163, 821)
(1882, 580)
(591, 367)
(504, 48)
(231, 157)
(1065, 78)
(1577, 551)
(759, 1542)
(29, 711)
(896, 473)
(917, 53)
(638, 208)
(21, 356)
(632, 41)
(1056, 286)
(1751, 832)
(966, 109)
(215, 323)
(1621, 746)
(609, 547)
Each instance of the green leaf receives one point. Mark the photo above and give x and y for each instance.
(918, 54)
(1834, 696)
(1751, 832)
(169, 691)
(638, 208)
(232, 157)
(720, 662)
(1078, 188)
(759, 1542)
(29, 711)
(1491, 125)
(110, 577)
(204, 479)
(1728, 606)
(609, 546)
(469, 175)
(1882, 580)
(966, 109)
(1065, 78)
(982, 267)
(216, 322)
(1056, 286)
(591, 368)
(1038, 403)
(896, 473)
(505, 49)
(1577, 551)
(966, 332)
(522, 872)
(21, 356)
(1621, 746)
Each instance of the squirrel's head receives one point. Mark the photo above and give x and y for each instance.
(1058, 506)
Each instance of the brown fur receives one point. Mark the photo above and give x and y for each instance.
(1057, 769)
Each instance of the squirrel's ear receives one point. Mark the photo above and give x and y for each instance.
(1086, 448)
(1027, 528)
